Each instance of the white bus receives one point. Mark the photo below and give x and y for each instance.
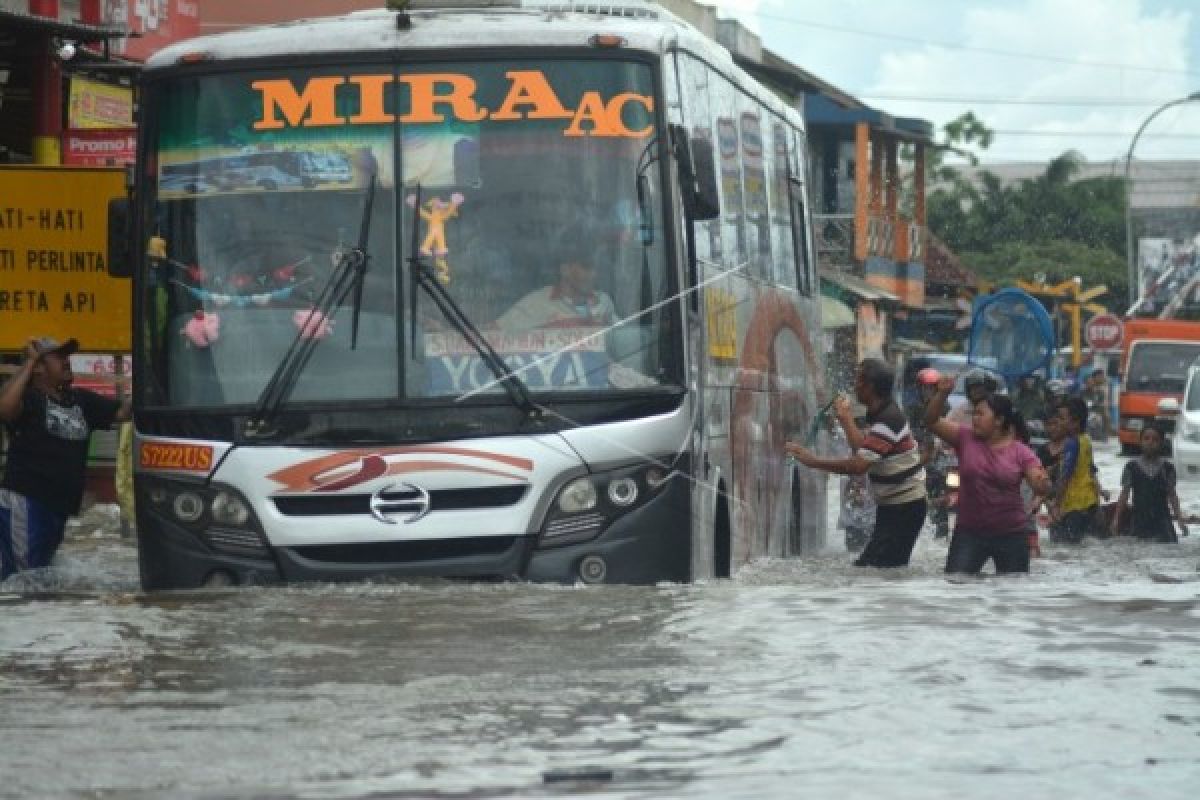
(556, 327)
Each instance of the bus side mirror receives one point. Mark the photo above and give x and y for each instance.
(698, 175)
(120, 261)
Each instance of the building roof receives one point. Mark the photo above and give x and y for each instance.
(859, 288)
(1156, 184)
(943, 267)
(80, 32)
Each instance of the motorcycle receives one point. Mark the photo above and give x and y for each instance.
(942, 486)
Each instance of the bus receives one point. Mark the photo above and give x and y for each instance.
(557, 326)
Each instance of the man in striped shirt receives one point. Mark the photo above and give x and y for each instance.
(889, 455)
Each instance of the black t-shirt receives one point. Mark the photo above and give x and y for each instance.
(48, 446)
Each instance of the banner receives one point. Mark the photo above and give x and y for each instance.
(98, 148)
(93, 104)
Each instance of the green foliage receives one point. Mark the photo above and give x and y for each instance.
(1050, 223)
(1059, 259)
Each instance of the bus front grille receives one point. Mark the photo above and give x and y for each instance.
(321, 505)
(406, 552)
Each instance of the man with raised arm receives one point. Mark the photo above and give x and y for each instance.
(49, 423)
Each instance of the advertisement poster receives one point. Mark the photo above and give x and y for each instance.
(92, 104)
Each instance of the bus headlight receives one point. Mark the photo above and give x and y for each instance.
(578, 495)
(229, 509)
(188, 506)
(623, 492)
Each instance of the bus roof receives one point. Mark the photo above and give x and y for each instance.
(644, 26)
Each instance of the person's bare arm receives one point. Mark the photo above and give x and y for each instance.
(1122, 504)
(1038, 480)
(845, 418)
(1173, 499)
(14, 389)
(943, 428)
(854, 465)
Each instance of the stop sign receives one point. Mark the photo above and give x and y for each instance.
(1104, 332)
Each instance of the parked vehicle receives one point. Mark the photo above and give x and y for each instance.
(1154, 367)
(942, 483)
(1186, 445)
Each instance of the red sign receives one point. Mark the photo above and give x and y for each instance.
(1104, 332)
(158, 23)
(98, 147)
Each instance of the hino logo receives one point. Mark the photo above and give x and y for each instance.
(398, 498)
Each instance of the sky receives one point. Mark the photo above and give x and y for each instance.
(1047, 76)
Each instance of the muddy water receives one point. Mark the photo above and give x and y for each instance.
(801, 677)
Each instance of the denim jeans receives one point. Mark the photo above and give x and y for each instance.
(970, 551)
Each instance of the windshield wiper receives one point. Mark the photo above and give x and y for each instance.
(349, 273)
(422, 275)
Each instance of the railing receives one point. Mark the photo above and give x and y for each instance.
(881, 235)
(910, 241)
(899, 239)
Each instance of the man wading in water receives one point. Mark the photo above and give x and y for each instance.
(889, 455)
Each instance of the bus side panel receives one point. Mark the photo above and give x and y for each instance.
(764, 369)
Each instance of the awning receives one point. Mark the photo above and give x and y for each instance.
(912, 345)
(859, 288)
(80, 32)
(835, 313)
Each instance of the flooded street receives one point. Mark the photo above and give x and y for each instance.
(802, 676)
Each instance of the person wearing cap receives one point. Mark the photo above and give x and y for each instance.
(49, 423)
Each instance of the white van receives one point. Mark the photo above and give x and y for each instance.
(1186, 446)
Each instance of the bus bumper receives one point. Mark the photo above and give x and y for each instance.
(649, 544)
(172, 557)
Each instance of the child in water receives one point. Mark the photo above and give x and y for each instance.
(1151, 480)
(1077, 494)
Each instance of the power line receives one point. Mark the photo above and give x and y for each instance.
(1005, 101)
(1093, 134)
(1102, 134)
(966, 48)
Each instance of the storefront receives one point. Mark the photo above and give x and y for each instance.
(66, 70)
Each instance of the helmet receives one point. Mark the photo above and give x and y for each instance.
(928, 376)
(977, 377)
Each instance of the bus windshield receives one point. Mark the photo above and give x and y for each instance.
(1160, 367)
(532, 190)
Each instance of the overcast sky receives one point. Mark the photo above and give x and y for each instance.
(1087, 72)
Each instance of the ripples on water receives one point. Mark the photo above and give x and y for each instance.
(798, 677)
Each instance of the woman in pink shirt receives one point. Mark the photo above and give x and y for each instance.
(992, 520)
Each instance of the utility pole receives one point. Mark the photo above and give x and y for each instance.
(1072, 298)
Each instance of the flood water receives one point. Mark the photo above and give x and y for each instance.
(796, 678)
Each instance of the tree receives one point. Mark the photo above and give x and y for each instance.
(1051, 223)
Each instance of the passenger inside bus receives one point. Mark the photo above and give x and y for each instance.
(573, 301)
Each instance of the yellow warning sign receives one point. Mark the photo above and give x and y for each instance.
(54, 258)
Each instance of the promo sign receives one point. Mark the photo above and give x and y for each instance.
(1104, 332)
(54, 277)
